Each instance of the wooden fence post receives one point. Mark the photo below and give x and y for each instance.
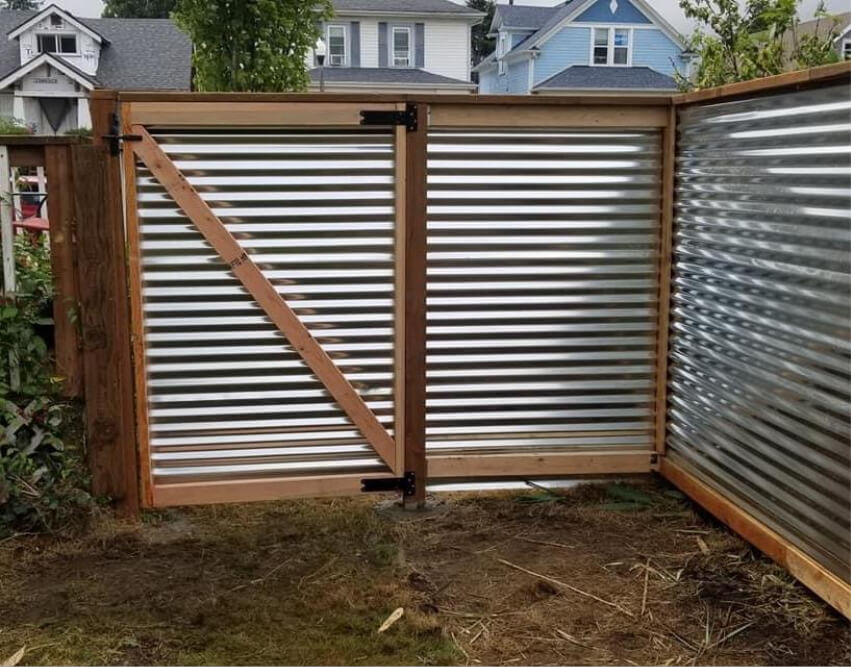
(104, 315)
(66, 295)
(414, 336)
(666, 250)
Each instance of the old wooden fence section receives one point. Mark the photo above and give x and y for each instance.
(300, 295)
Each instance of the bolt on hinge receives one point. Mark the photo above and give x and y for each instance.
(408, 117)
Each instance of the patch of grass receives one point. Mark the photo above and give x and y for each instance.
(310, 582)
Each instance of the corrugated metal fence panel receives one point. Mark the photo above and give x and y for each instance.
(759, 398)
(542, 261)
(228, 397)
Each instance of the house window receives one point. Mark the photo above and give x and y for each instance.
(336, 45)
(611, 46)
(502, 49)
(846, 49)
(401, 47)
(56, 20)
(56, 43)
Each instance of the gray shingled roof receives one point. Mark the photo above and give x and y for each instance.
(521, 16)
(585, 77)
(555, 18)
(150, 54)
(413, 6)
(383, 75)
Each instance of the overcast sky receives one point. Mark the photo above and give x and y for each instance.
(668, 8)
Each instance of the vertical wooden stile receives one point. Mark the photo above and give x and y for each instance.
(137, 333)
(666, 248)
(400, 246)
(104, 315)
(66, 294)
(414, 370)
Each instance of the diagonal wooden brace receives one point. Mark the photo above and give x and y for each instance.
(265, 294)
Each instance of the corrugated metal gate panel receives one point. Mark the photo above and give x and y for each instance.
(228, 397)
(759, 399)
(542, 263)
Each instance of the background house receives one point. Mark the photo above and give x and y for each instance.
(50, 61)
(393, 45)
(615, 46)
(821, 27)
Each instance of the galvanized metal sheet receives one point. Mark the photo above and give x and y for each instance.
(759, 384)
(228, 398)
(542, 265)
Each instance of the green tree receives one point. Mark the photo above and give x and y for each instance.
(482, 45)
(30, 5)
(740, 41)
(139, 9)
(251, 45)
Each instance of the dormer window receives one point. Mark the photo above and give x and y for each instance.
(337, 45)
(56, 43)
(612, 46)
(55, 21)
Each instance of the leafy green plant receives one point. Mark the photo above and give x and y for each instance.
(43, 481)
(13, 126)
(739, 41)
(22, 350)
(258, 46)
(79, 132)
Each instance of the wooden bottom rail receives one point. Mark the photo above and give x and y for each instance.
(823, 583)
(519, 465)
(252, 490)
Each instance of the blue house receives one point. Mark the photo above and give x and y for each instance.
(593, 46)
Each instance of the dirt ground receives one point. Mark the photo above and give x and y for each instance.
(606, 574)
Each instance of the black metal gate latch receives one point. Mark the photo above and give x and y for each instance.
(407, 484)
(115, 139)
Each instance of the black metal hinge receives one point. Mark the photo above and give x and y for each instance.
(407, 484)
(115, 139)
(408, 118)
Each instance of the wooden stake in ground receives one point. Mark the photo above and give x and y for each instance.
(395, 616)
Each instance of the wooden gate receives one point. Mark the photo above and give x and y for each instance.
(307, 217)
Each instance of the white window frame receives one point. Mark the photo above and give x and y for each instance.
(501, 50)
(610, 45)
(409, 58)
(330, 58)
(57, 38)
(846, 48)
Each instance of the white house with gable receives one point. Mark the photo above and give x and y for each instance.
(50, 61)
(396, 45)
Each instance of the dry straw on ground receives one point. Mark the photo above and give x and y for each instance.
(599, 575)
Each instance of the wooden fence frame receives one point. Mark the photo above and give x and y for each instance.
(176, 109)
(111, 334)
(54, 154)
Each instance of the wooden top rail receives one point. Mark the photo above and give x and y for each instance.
(40, 140)
(27, 150)
(769, 84)
(367, 99)
(800, 78)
